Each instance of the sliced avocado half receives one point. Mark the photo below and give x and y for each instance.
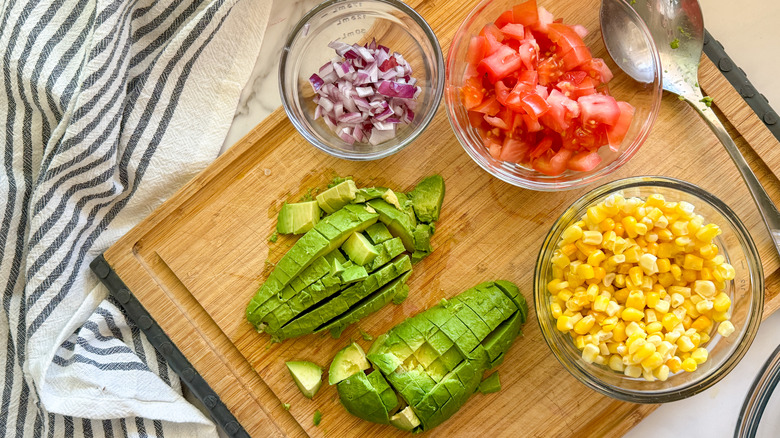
(348, 361)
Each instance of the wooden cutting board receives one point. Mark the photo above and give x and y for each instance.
(196, 261)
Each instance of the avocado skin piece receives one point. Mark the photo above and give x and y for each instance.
(375, 302)
(378, 233)
(490, 384)
(436, 359)
(427, 198)
(361, 399)
(398, 222)
(341, 303)
(297, 218)
(308, 248)
(337, 196)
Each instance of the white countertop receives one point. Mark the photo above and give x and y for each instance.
(750, 31)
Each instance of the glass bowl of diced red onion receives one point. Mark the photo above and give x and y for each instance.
(360, 80)
(535, 99)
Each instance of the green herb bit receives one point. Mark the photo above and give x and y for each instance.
(675, 44)
(286, 406)
(317, 417)
(274, 237)
(366, 336)
(707, 101)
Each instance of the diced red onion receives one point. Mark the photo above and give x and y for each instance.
(364, 93)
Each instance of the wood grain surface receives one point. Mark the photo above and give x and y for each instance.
(196, 261)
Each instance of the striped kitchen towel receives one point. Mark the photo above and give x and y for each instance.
(106, 108)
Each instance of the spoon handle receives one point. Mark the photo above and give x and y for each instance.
(766, 207)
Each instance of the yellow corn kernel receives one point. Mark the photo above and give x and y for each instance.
(632, 314)
(596, 214)
(600, 303)
(654, 327)
(685, 344)
(585, 248)
(564, 323)
(596, 257)
(642, 351)
(705, 274)
(661, 373)
(571, 234)
(585, 271)
(690, 309)
(708, 232)
(702, 324)
(704, 306)
(616, 363)
(664, 234)
(607, 224)
(584, 325)
(674, 364)
(621, 295)
(636, 300)
(655, 200)
(648, 263)
(619, 332)
(662, 307)
(693, 262)
(629, 224)
(560, 259)
(725, 271)
(556, 310)
(633, 371)
(700, 355)
(721, 302)
(556, 285)
(632, 254)
(676, 271)
(579, 342)
(677, 300)
(684, 291)
(589, 353)
(666, 279)
(613, 308)
(689, 276)
(709, 251)
(689, 365)
(653, 361)
(652, 299)
(663, 265)
(635, 274)
(670, 321)
(592, 237)
(679, 228)
(650, 316)
(725, 329)
(640, 229)
(704, 288)
(569, 250)
(633, 329)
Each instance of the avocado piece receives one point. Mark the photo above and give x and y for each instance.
(391, 198)
(397, 221)
(422, 238)
(388, 250)
(307, 375)
(490, 384)
(427, 197)
(336, 269)
(386, 362)
(298, 218)
(375, 302)
(405, 419)
(353, 274)
(361, 399)
(348, 361)
(378, 233)
(368, 193)
(338, 196)
(359, 249)
(312, 245)
(386, 393)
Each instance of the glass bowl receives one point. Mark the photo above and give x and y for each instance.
(645, 97)
(746, 292)
(394, 25)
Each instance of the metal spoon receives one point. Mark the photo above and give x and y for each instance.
(677, 27)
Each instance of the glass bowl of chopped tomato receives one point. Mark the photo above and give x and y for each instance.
(535, 99)
(649, 289)
(360, 80)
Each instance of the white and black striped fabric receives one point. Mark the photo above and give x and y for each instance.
(106, 108)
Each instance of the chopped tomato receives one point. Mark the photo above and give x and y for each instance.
(526, 13)
(584, 161)
(472, 92)
(537, 97)
(598, 108)
(513, 30)
(501, 63)
(504, 19)
(617, 132)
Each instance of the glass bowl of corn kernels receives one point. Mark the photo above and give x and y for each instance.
(649, 289)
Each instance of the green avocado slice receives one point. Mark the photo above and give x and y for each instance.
(405, 419)
(353, 274)
(338, 196)
(490, 384)
(348, 361)
(388, 250)
(427, 198)
(386, 393)
(398, 222)
(298, 218)
(307, 376)
(378, 233)
(359, 249)
(370, 305)
(368, 193)
(362, 400)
